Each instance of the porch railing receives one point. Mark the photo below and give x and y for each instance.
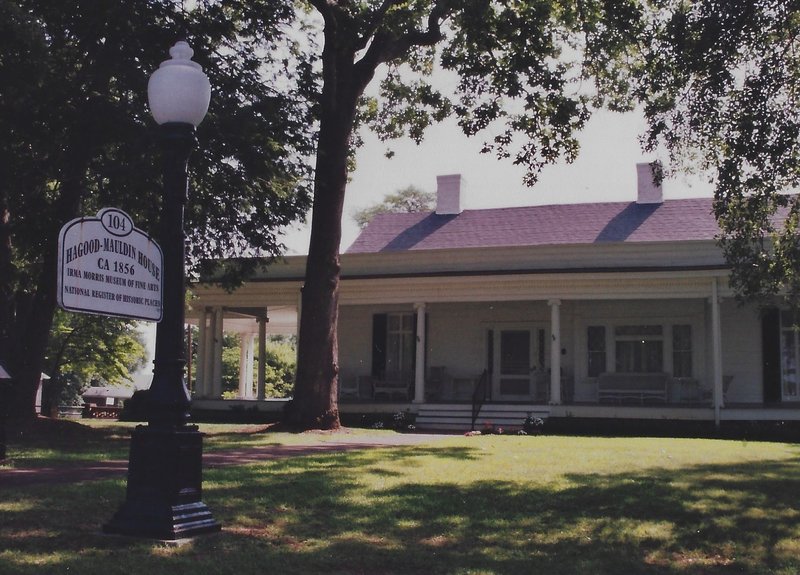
(479, 396)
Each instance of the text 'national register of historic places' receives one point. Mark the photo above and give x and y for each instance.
(107, 266)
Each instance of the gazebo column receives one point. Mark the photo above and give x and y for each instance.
(208, 352)
(262, 355)
(251, 355)
(200, 371)
(246, 365)
(216, 371)
(555, 351)
(419, 369)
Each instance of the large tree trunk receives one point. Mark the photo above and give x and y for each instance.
(33, 330)
(315, 404)
(33, 318)
(316, 389)
(6, 281)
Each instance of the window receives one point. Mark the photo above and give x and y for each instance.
(639, 348)
(682, 351)
(596, 339)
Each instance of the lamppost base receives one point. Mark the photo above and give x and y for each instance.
(164, 494)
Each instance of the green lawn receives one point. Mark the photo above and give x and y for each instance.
(485, 504)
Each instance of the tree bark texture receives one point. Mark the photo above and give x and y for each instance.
(6, 286)
(344, 80)
(316, 388)
(33, 311)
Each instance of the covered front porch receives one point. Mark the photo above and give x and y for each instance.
(606, 340)
(653, 343)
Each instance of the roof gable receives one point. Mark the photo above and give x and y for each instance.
(567, 224)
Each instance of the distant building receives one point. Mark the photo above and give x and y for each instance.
(107, 395)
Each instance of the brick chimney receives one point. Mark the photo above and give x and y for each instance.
(648, 191)
(448, 194)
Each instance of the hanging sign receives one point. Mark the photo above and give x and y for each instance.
(107, 266)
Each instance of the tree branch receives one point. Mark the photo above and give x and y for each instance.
(375, 23)
(324, 7)
(386, 46)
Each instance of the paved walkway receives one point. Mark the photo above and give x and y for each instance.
(328, 443)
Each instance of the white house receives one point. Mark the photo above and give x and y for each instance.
(600, 310)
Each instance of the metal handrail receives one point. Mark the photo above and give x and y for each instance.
(479, 396)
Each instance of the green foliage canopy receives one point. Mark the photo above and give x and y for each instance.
(525, 76)
(95, 349)
(280, 364)
(88, 349)
(408, 199)
(721, 86)
(74, 103)
(77, 136)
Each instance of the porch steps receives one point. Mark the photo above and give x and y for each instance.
(458, 417)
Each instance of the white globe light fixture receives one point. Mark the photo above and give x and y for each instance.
(163, 498)
(179, 91)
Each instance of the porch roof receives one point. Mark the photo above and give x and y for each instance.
(565, 224)
(108, 391)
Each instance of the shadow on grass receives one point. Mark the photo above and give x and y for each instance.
(353, 513)
(47, 442)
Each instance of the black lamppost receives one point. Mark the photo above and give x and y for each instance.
(164, 494)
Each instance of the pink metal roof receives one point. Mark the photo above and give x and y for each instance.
(578, 224)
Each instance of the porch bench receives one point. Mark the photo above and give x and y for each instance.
(390, 388)
(639, 387)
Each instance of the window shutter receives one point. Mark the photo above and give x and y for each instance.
(379, 324)
(771, 354)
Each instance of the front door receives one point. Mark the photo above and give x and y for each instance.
(519, 364)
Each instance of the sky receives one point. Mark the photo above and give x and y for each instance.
(605, 170)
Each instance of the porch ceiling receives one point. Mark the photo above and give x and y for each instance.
(282, 320)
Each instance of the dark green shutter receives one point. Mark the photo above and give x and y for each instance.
(771, 354)
(490, 350)
(379, 326)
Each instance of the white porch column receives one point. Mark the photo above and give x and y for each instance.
(716, 346)
(244, 339)
(208, 353)
(419, 371)
(216, 370)
(200, 371)
(262, 355)
(251, 346)
(555, 351)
